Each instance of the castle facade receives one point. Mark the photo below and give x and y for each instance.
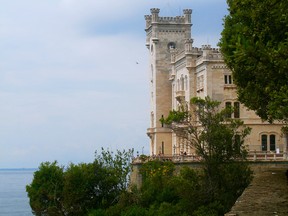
(178, 71)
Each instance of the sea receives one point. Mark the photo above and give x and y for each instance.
(13, 197)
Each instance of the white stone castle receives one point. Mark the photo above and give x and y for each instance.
(179, 71)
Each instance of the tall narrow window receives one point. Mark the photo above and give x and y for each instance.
(264, 142)
(186, 82)
(182, 83)
(228, 106)
(152, 119)
(272, 142)
(236, 110)
(162, 148)
(237, 143)
(200, 82)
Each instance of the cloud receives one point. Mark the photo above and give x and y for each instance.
(69, 82)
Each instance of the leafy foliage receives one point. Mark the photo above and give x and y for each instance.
(45, 192)
(254, 44)
(219, 141)
(210, 131)
(156, 187)
(80, 188)
(101, 188)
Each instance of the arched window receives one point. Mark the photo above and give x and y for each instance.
(186, 82)
(152, 119)
(182, 83)
(152, 73)
(237, 143)
(272, 142)
(264, 142)
(236, 110)
(171, 45)
(268, 142)
(228, 106)
(151, 49)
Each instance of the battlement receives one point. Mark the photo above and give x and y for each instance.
(187, 11)
(154, 10)
(177, 19)
(208, 47)
(155, 18)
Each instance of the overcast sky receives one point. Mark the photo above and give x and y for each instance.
(69, 82)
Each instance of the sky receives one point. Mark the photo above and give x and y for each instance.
(69, 81)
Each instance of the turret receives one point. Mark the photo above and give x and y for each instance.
(155, 14)
(206, 50)
(187, 15)
(188, 45)
(148, 19)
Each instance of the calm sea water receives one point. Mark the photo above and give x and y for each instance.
(13, 196)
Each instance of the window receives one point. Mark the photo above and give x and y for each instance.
(152, 74)
(227, 79)
(171, 45)
(186, 82)
(236, 110)
(152, 119)
(268, 144)
(162, 148)
(200, 83)
(264, 142)
(237, 143)
(182, 83)
(228, 106)
(272, 143)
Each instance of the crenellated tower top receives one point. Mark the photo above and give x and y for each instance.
(154, 18)
(173, 26)
(187, 15)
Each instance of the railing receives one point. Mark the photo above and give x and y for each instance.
(252, 156)
(267, 156)
(173, 158)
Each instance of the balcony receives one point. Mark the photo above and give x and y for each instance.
(150, 132)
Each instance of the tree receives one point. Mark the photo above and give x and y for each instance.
(45, 191)
(209, 131)
(115, 175)
(219, 141)
(254, 45)
(156, 187)
(80, 188)
(81, 191)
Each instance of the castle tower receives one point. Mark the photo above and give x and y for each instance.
(164, 36)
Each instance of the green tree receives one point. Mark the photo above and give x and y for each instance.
(80, 188)
(116, 171)
(45, 191)
(156, 185)
(219, 141)
(81, 191)
(254, 45)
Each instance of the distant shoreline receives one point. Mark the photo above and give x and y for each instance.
(18, 169)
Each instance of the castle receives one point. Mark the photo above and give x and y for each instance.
(179, 71)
